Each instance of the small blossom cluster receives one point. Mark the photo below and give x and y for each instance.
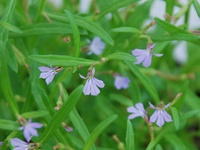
(160, 116)
(29, 130)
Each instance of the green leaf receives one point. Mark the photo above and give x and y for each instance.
(169, 27)
(41, 99)
(86, 24)
(176, 33)
(45, 29)
(79, 125)
(170, 6)
(8, 125)
(126, 29)
(97, 131)
(7, 90)
(59, 60)
(197, 6)
(115, 6)
(10, 57)
(121, 56)
(76, 33)
(6, 17)
(129, 136)
(40, 9)
(178, 37)
(147, 84)
(62, 113)
(10, 27)
(35, 114)
(175, 117)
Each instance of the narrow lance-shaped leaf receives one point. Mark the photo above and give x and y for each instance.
(121, 56)
(86, 24)
(115, 6)
(40, 9)
(79, 125)
(35, 114)
(10, 27)
(97, 131)
(8, 125)
(60, 60)
(76, 33)
(66, 108)
(129, 136)
(197, 6)
(41, 98)
(6, 89)
(175, 117)
(126, 29)
(6, 17)
(45, 29)
(147, 84)
(176, 33)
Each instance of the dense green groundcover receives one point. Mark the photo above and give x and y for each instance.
(35, 33)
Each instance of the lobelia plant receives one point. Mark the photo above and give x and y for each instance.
(135, 110)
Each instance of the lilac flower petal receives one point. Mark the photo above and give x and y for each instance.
(35, 125)
(151, 47)
(166, 106)
(132, 109)
(166, 116)
(50, 78)
(21, 148)
(152, 106)
(132, 116)
(1, 143)
(121, 82)
(82, 76)
(160, 121)
(86, 89)
(68, 129)
(94, 90)
(44, 69)
(17, 142)
(98, 43)
(140, 59)
(44, 75)
(93, 71)
(97, 46)
(32, 131)
(157, 55)
(136, 112)
(147, 60)
(154, 117)
(140, 107)
(27, 134)
(138, 52)
(98, 82)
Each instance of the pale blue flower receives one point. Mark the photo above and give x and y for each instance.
(29, 129)
(1, 143)
(96, 46)
(144, 56)
(19, 144)
(137, 111)
(92, 84)
(48, 73)
(121, 82)
(160, 115)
